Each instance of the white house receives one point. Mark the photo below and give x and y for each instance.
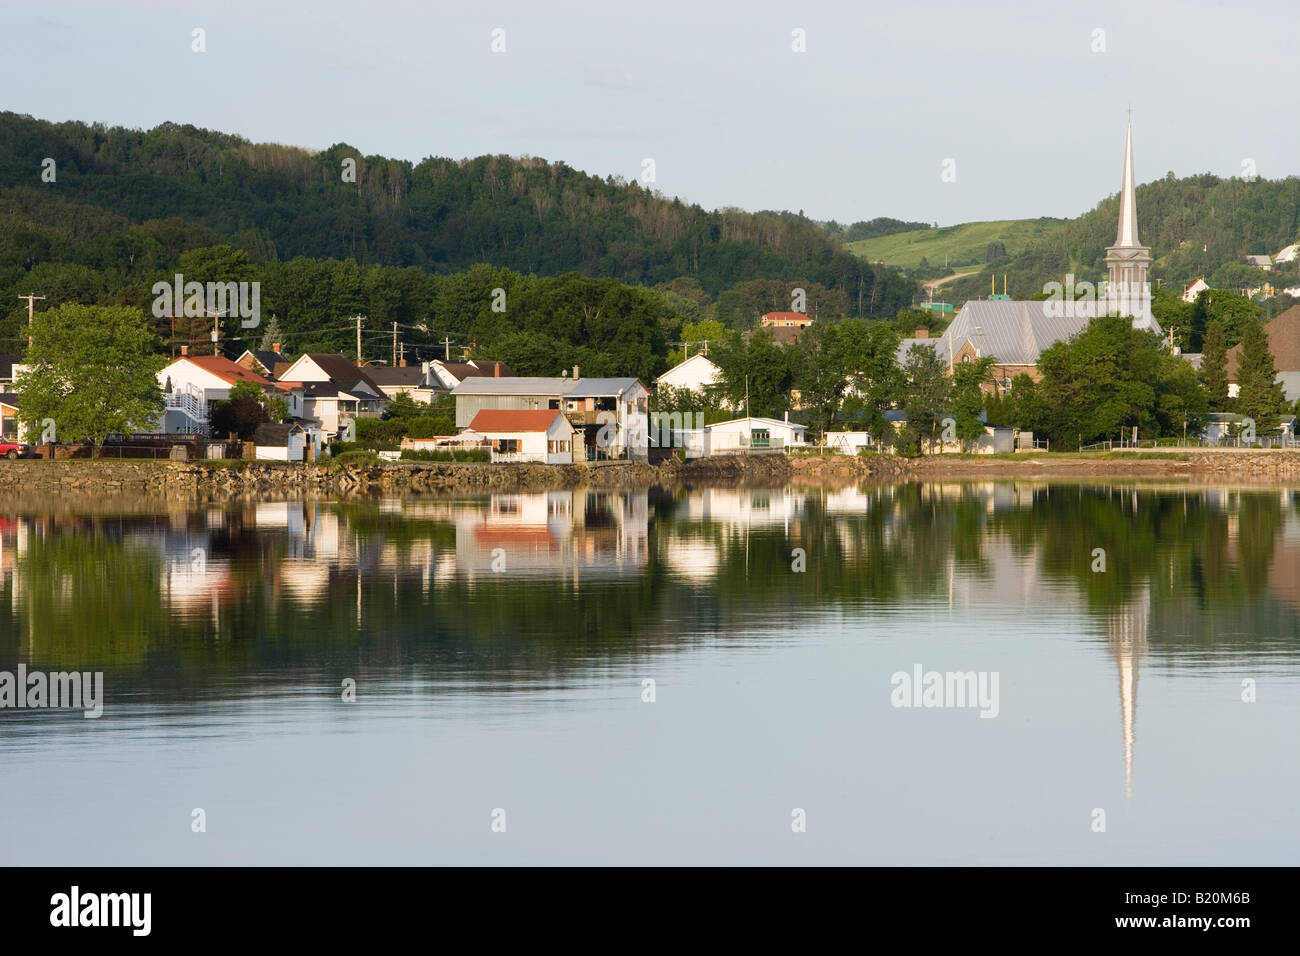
(416, 381)
(451, 374)
(740, 436)
(330, 406)
(748, 434)
(1195, 289)
(193, 384)
(696, 374)
(1288, 254)
(534, 435)
(1259, 262)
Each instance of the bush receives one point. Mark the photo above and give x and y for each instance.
(374, 432)
(467, 454)
(355, 458)
(907, 441)
(343, 447)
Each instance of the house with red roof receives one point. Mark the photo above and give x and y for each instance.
(193, 384)
(526, 435)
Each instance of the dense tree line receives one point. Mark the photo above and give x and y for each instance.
(871, 228)
(126, 203)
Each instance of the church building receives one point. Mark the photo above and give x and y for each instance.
(1015, 333)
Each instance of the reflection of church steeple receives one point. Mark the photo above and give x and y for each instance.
(1126, 637)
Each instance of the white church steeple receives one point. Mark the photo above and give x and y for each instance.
(1128, 291)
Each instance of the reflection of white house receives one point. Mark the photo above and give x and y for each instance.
(741, 507)
(697, 374)
(533, 435)
(553, 533)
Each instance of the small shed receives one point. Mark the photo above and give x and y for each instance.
(280, 442)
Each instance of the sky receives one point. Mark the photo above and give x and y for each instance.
(941, 111)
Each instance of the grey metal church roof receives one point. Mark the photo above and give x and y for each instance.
(527, 385)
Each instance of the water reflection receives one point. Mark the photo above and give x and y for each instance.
(490, 594)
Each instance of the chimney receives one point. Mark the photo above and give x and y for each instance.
(401, 363)
(275, 347)
(921, 334)
(185, 351)
(496, 369)
(575, 373)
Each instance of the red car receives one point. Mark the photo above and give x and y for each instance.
(13, 449)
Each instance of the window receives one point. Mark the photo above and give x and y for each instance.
(557, 447)
(505, 445)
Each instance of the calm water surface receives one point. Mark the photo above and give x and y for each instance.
(500, 648)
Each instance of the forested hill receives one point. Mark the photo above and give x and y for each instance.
(119, 191)
(1196, 226)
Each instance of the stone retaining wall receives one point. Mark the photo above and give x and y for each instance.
(208, 480)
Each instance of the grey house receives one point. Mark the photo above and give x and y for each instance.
(611, 414)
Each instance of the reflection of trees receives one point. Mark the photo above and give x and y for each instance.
(82, 599)
(391, 595)
(1199, 555)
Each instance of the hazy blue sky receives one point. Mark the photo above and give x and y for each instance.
(857, 126)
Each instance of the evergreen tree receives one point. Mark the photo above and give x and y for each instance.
(1261, 396)
(968, 379)
(927, 390)
(1214, 366)
(272, 336)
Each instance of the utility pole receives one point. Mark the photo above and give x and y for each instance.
(358, 340)
(31, 310)
(446, 354)
(216, 329)
(394, 345)
(401, 352)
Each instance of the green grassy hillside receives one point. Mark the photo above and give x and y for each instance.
(961, 244)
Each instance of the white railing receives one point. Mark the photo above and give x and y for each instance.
(190, 400)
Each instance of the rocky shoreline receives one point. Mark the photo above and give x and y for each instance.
(203, 481)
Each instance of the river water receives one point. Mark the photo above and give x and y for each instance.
(928, 673)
